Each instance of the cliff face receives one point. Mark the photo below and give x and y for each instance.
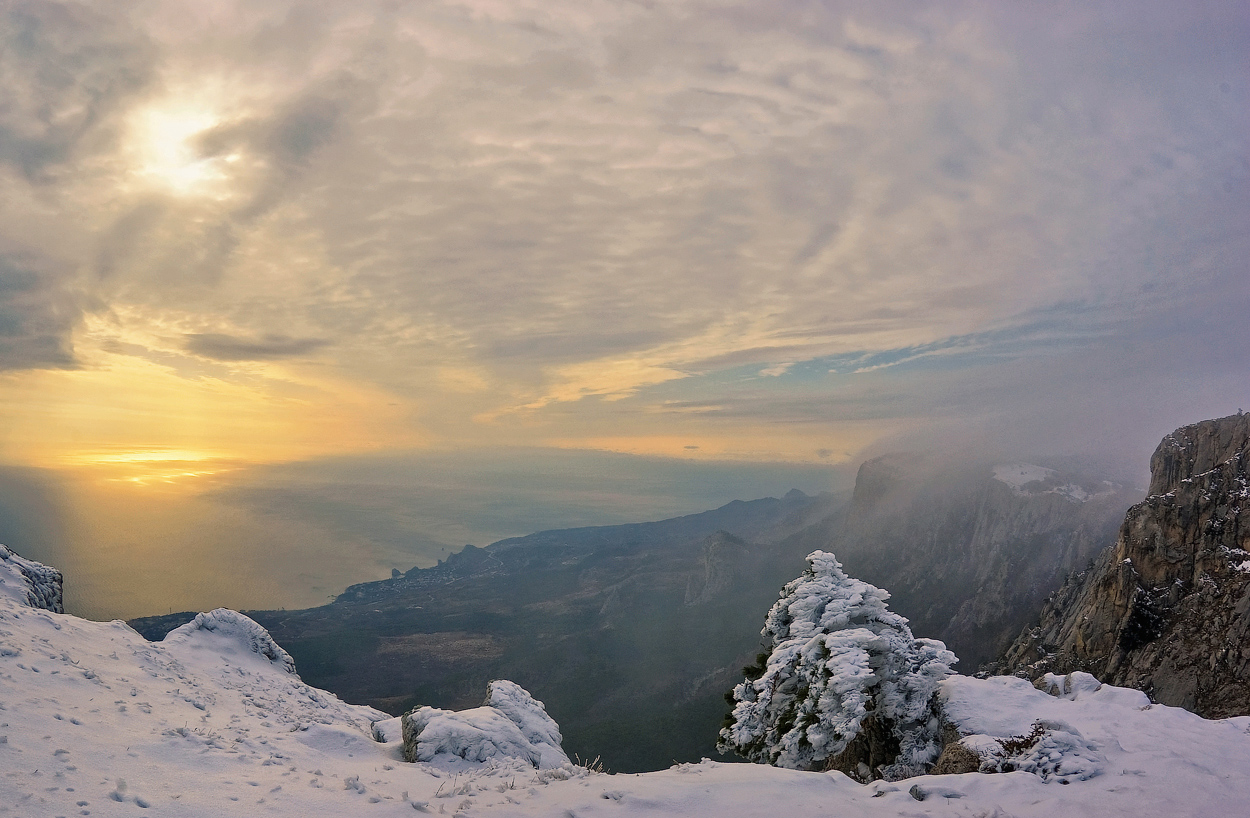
(1167, 609)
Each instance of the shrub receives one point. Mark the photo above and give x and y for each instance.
(839, 659)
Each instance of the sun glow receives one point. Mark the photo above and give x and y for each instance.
(141, 456)
(165, 140)
(147, 466)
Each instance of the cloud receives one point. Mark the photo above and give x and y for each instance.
(597, 224)
(69, 73)
(36, 316)
(593, 203)
(67, 70)
(222, 347)
(777, 370)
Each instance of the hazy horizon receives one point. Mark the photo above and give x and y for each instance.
(295, 535)
(261, 261)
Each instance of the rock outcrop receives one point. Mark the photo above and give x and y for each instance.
(238, 629)
(1167, 609)
(723, 556)
(31, 583)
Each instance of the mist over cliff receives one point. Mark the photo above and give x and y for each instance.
(969, 549)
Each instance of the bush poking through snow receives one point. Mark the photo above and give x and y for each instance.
(842, 667)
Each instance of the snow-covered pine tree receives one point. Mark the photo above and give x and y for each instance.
(841, 662)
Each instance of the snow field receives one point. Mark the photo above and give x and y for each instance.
(94, 720)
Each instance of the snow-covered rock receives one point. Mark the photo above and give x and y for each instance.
(1009, 725)
(842, 664)
(231, 630)
(527, 713)
(29, 582)
(510, 724)
(1070, 686)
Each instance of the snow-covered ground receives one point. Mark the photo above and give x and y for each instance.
(94, 720)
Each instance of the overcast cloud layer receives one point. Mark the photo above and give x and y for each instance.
(257, 231)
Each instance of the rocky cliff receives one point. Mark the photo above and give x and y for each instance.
(1167, 608)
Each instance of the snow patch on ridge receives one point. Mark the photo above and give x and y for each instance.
(1018, 475)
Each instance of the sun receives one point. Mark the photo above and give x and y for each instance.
(166, 153)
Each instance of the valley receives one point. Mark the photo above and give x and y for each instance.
(632, 634)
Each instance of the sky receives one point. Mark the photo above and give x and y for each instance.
(275, 275)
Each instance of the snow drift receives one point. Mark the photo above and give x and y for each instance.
(238, 631)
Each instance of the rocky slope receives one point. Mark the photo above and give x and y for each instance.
(1167, 609)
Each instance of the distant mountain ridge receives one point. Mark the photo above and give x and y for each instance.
(766, 519)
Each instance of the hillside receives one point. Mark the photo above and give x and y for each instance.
(631, 634)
